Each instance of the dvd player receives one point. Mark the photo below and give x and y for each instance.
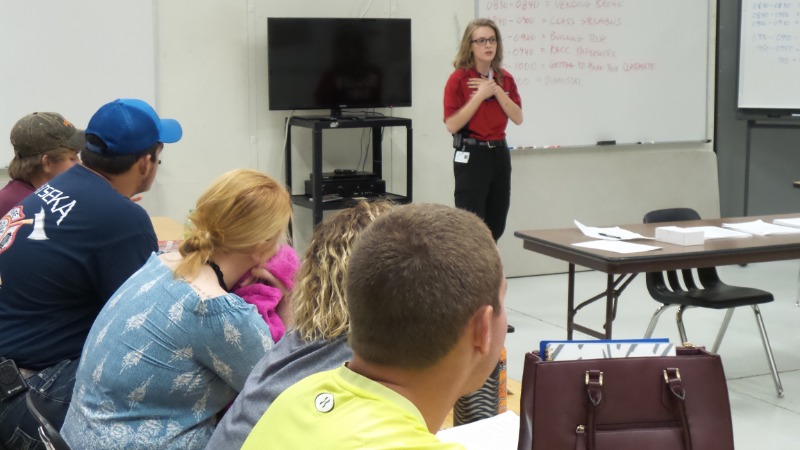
(346, 175)
(350, 187)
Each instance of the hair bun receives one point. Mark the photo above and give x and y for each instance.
(198, 242)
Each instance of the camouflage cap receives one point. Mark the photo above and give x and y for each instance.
(40, 132)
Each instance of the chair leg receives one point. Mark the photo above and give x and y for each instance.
(768, 349)
(797, 301)
(679, 320)
(654, 320)
(722, 329)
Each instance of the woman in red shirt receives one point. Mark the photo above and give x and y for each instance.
(479, 98)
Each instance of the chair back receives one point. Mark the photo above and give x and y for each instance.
(671, 215)
(711, 292)
(659, 284)
(47, 432)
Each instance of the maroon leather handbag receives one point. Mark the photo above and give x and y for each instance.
(659, 403)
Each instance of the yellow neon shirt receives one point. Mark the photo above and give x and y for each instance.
(340, 409)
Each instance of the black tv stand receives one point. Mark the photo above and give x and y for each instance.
(319, 123)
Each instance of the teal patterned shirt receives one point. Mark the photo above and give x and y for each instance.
(160, 362)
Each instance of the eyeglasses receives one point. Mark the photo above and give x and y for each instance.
(483, 41)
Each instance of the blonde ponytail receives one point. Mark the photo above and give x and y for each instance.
(241, 210)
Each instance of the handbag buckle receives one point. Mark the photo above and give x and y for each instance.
(599, 376)
(677, 372)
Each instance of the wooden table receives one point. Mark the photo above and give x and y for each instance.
(622, 268)
(168, 232)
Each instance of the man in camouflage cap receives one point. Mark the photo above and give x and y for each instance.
(45, 144)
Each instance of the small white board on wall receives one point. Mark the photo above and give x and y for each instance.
(769, 55)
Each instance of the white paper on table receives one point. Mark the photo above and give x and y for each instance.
(710, 232)
(761, 228)
(794, 222)
(617, 246)
(609, 233)
(500, 432)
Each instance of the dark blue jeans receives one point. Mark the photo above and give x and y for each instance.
(18, 428)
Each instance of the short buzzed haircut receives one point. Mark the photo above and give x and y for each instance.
(112, 164)
(417, 275)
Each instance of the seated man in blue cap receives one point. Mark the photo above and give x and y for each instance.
(63, 251)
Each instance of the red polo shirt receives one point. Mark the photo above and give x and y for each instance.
(489, 122)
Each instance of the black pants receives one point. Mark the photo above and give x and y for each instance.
(483, 185)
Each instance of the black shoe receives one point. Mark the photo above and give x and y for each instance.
(510, 328)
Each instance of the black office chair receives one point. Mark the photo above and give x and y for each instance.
(47, 432)
(710, 292)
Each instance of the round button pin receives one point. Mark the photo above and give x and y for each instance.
(324, 402)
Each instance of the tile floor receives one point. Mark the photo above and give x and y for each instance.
(536, 307)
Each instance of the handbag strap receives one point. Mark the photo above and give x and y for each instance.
(594, 395)
(672, 376)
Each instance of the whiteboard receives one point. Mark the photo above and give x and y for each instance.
(769, 54)
(627, 71)
(72, 57)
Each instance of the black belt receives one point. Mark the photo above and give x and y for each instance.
(490, 144)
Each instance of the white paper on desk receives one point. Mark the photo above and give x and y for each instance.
(500, 432)
(794, 222)
(761, 228)
(617, 246)
(609, 234)
(718, 232)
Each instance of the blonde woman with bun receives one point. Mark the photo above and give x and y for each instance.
(317, 339)
(173, 346)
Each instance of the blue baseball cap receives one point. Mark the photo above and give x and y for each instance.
(128, 126)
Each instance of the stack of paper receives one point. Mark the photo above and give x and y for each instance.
(761, 228)
(608, 233)
(617, 246)
(500, 432)
(611, 239)
(719, 233)
(788, 222)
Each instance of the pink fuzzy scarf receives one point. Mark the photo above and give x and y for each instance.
(283, 265)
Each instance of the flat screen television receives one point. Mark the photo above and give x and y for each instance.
(337, 63)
